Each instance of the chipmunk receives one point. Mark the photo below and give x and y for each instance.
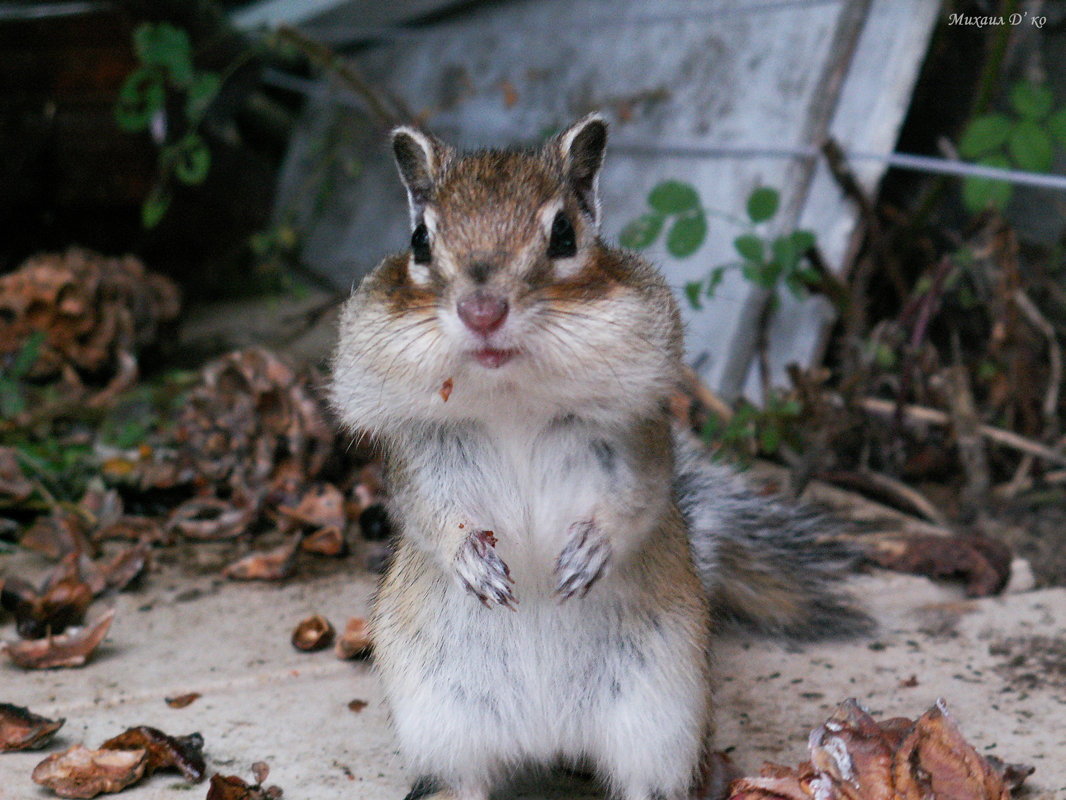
(563, 552)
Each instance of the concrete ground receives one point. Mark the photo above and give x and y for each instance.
(1000, 664)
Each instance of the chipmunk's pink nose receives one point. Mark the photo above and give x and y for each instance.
(481, 311)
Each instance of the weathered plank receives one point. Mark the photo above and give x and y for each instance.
(688, 73)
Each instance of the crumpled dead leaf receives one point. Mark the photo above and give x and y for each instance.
(91, 309)
(80, 772)
(854, 757)
(981, 562)
(71, 649)
(271, 565)
(69, 590)
(230, 787)
(52, 609)
(21, 729)
(14, 485)
(183, 753)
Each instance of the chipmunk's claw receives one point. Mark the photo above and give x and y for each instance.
(483, 573)
(583, 561)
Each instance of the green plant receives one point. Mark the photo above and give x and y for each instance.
(12, 396)
(752, 430)
(166, 71)
(765, 262)
(1024, 139)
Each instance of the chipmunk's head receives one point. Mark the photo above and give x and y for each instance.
(493, 230)
(506, 290)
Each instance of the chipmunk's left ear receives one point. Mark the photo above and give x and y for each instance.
(581, 147)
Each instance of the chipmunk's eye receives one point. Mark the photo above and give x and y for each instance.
(563, 242)
(420, 244)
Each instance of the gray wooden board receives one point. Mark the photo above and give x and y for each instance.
(694, 73)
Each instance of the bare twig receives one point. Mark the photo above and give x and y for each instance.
(896, 491)
(1039, 321)
(967, 426)
(1014, 487)
(347, 73)
(933, 416)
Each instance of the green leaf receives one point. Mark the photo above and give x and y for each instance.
(785, 253)
(984, 134)
(686, 234)
(884, 356)
(155, 206)
(202, 92)
(1030, 146)
(693, 290)
(717, 276)
(763, 204)
(673, 197)
(192, 160)
(769, 438)
(642, 231)
(163, 45)
(803, 240)
(140, 97)
(979, 194)
(751, 247)
(28, 354)
(1032, 101)
(1056, 126)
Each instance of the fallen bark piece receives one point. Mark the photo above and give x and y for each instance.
(70, 649)
(80, 772)
(854, 757)
(183, 753)
(21, 729)
(313, 633)
(982, 563)
(355, 641)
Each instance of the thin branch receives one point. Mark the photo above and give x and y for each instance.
(1039, 321)
(933, 416)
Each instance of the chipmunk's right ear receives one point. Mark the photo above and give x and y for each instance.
(419, 157)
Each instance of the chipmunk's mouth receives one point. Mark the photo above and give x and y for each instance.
(492, 358)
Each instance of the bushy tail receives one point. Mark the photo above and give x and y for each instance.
(768, 565)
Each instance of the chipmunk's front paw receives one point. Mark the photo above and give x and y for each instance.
(583, 560)
(483, 572)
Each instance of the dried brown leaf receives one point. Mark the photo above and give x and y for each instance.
(271, 565)
(325, 542)
(14, 485)
(211, 519)
(61, 603)
(57, 534)
(183, 753)
(321, 506)
(853, 750)
(21, 729)
(80, 772)
(935, 760)
(70, 649)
